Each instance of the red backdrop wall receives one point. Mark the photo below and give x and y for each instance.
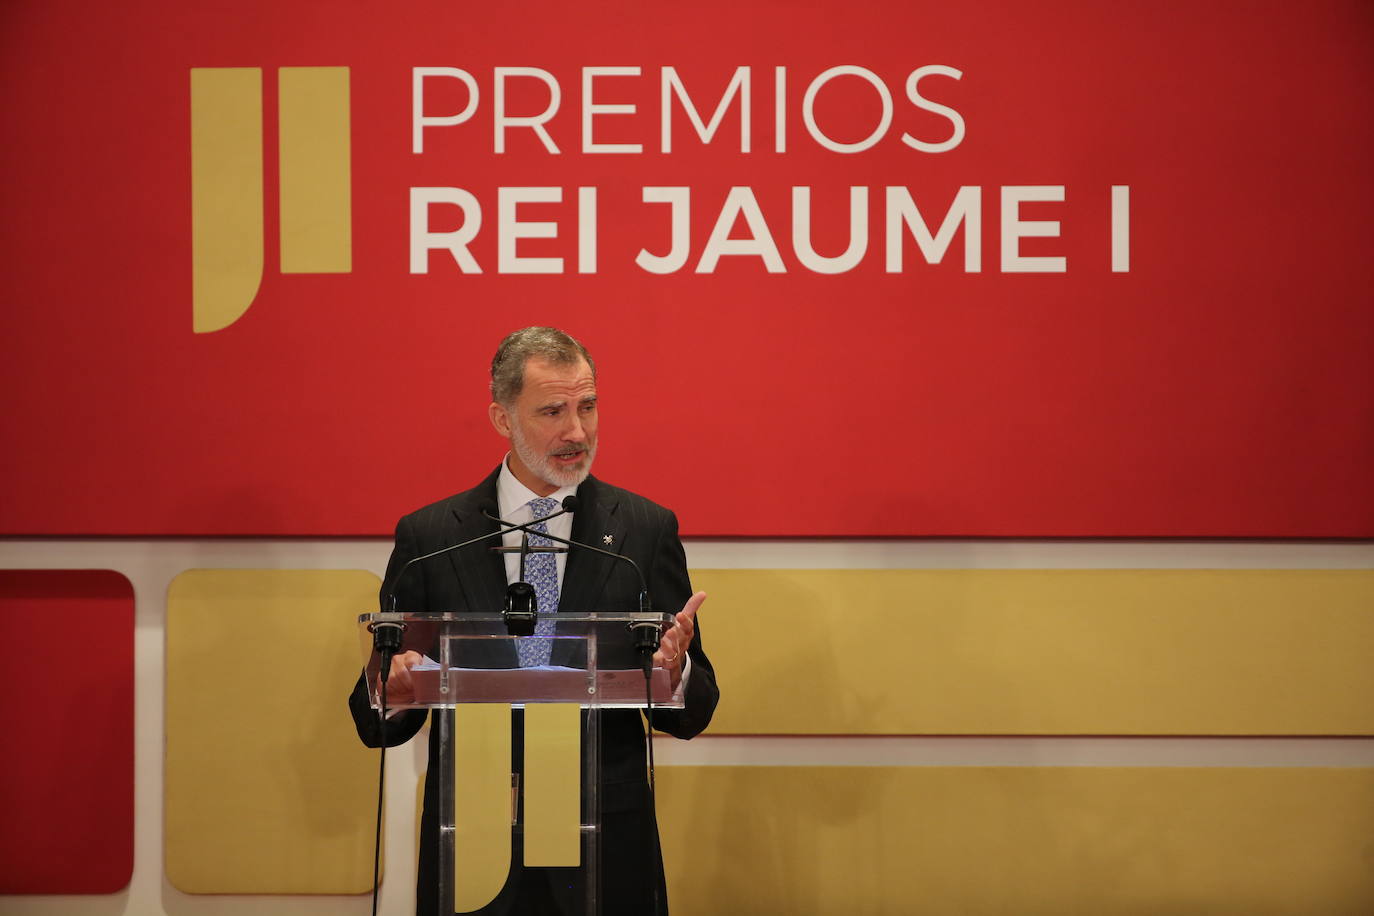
(1216, 383)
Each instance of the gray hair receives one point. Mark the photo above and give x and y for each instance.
(549, 344)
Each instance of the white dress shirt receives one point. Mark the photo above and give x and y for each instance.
(512, 504)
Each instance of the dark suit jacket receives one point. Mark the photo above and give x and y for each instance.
(474, 579)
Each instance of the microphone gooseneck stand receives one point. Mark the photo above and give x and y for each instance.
(486, 508)
(386, 640)
(646, 632)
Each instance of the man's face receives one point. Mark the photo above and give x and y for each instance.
(551, 425)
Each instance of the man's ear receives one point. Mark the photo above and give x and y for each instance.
(500, 419)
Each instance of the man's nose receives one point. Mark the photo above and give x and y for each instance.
(574, 430)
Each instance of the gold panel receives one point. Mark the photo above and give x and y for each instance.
(1014, 652)
(553, 784)
(267, 789)
(315, 167)
(226, 194)
(1024, 841)
(482, 803)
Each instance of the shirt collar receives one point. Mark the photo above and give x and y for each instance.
(512, 496)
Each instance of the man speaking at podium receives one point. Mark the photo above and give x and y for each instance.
(543, 389)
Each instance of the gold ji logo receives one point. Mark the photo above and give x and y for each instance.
(227, 202)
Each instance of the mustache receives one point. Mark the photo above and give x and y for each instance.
(568, 450)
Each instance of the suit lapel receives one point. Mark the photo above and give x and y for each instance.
(480, 570)
(584, 579)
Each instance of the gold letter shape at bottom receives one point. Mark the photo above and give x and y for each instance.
(553, 769)
(481, 803)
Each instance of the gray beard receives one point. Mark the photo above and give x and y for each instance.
(543, 467)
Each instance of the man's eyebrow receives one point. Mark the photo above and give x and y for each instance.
(559, 405)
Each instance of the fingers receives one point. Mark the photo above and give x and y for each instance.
(672, 641)
(692, 605)
(677, 638)
(402, 663)
(670, 647)
(684, 628)
(399, 661)
(399, 681)
(673, 645)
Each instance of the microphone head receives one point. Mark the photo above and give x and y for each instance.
(570, 503)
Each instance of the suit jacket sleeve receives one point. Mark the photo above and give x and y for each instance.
(410, 596)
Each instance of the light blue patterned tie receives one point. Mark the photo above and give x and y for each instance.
(541, 571)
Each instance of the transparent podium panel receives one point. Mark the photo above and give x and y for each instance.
(472, 658)
(547, 814)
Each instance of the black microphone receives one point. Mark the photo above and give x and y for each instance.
(386, 642)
